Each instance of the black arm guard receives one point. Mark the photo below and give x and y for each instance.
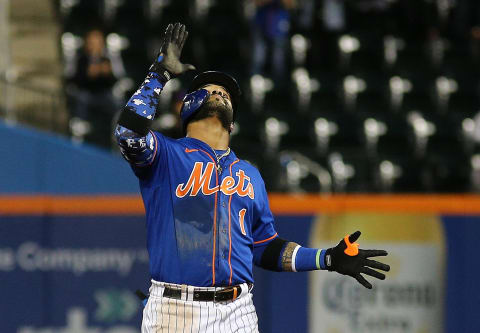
(272, 254)
(131, 120)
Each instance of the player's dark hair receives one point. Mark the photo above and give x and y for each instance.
(222, 79)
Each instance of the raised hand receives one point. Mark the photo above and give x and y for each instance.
(346, 258)
(168, 58)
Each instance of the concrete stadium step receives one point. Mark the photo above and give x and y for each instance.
(35, 57)
(34, 35)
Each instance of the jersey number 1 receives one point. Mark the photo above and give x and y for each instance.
(241, 218)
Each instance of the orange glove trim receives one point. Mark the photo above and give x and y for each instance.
(352, 249)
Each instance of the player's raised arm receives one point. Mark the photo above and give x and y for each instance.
(137, 143)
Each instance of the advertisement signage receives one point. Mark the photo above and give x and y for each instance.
(411, 299)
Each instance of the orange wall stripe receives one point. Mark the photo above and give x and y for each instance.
(428, 204)
(71, 205)
(279, 203)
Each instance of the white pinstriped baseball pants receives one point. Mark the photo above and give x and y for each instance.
(166, 315)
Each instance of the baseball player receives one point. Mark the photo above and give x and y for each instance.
(207, 211)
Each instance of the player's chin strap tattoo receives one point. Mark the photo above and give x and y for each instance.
(345, 258)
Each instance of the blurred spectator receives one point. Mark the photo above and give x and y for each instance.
(304, 16)
(95, 72)
(475, 134)
(467, 26)
(334, 15)
(271, 26)
(371, 15)
(475, 44)
(466, 16)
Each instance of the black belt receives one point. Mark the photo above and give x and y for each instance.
(222, 295)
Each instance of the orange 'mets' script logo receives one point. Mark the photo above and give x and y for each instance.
(200, 179)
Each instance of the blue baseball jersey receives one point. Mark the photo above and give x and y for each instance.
(208, 218)
(203, 217)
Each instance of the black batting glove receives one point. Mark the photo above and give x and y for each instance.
(346, 258)
(168, 62)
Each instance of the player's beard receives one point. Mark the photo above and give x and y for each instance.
(213, 108)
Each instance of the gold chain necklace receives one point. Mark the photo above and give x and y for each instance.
(219, 168)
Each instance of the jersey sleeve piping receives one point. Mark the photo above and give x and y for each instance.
(265, 240)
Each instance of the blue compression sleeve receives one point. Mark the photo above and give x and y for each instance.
(145, 100)
(304, 258)
(137, 149)
(307, 259)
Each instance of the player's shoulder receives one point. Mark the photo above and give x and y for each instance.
(168, 140)
(247, 164)
(249, 167)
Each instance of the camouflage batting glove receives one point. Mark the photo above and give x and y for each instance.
(167, 63)
(346, 258)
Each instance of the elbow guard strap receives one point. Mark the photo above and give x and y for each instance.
(272, 254)
(131, 120)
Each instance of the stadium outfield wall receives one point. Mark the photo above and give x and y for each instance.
(72, 251)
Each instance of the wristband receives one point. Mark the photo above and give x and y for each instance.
(157, 68)
(321, 259)
(307, 259)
